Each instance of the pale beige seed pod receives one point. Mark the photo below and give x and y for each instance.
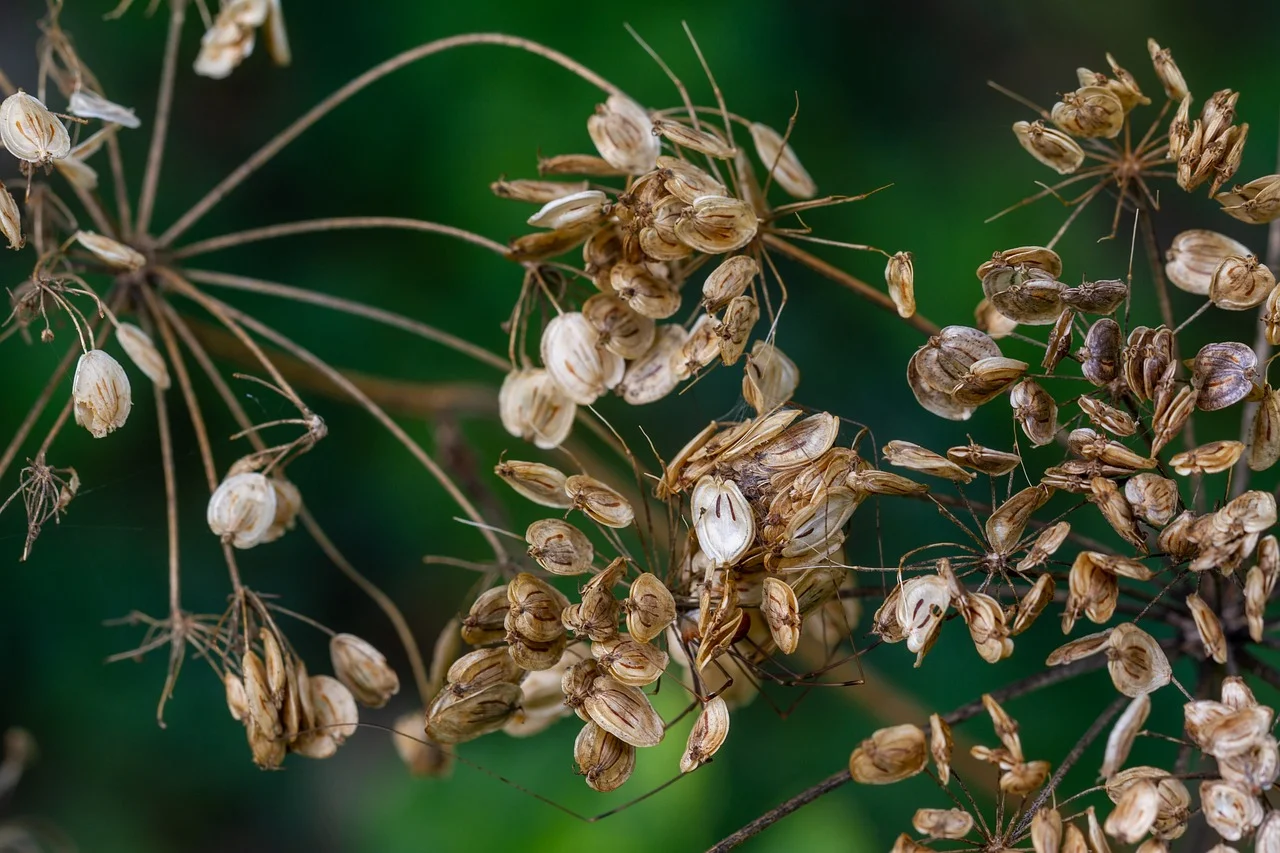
(942, 823)
(1134, 814)
(922, 604)
(1073, 840)
(1152, 498)
(1195, 255)
(940, 746)
(769, 378)
(143, 353)
(1050, 146)
(1256, 202)
(363, 670)
(735, 328)
(114, 254)
(261, 710)
(559, 547)
(621, 329)
(703, 140)
(575, 210)
(484, 621)
(538, 482)
(536, 192)
(1089, 112)
(452, 719)
(650, 608)
(573, 358)
(1175, 86)
(781, 612)
(1123, 734)
(900, 276)
(778, 157)
(1033, 603)
(30, 132)
(906, 844)
(601, 503)
(1035, 411)
(1005, 525)
(1079, 649)
(482, 668)
(987, 626)
(603, 759)
(1267, 837)
(717, 224)
(905, 454)
(623, 134)
(648, 294)
(1045, 546)
(1264, 446)
(1046, 830)
(87, 103)
(533, 406)
(1212, 458)
(242, 509)
(101, 393)
(707, 736)
(624, 712)
(1209, 627)
(1137, 663)
(728, 280)
(423, 757)
(629, 661)
(1240, 283)
(889, 755)
(1230, 811)
(723, 520)
(237, 698)
(10, 220)
(1108, 417)
(654, 374)
(534, 611)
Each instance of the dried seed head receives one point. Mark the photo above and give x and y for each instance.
(777, 156)
(1256, 202)
(30, 131)
(717, 224)
(1090, 111)
(942, 823)
(574, 358)
(707, 736)
(10, 220)
(242, 509)
(542, 484)
(1195, 256)
(781, 612)
(654, 374)
(1229, 810)
(1050, 146)
(1167, 70)
(889, 755)
(623, 711)
(143, 353)
(601, 503)
(559, 547)
(623, 134)
(101, 393)
(534, 407)
(899, 275)
(605, 761)
(1096, 297)
(1123, 734)
(1137, 663)
(363, 670)
(1211, 458)
(1240, 283)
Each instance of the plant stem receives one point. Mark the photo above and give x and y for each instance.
(311, 226)
(164, 105)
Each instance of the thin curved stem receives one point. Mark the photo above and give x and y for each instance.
(164, 105)
(320, 110)
(348, 306)
(311, 226)
(37, 409)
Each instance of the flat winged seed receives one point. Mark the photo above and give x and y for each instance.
(889, 755)
(650, 608)
(89, 104)
(1209, 627)
(114, 254)
(922, 603)
(992, 322)
(1033, 603)
(1223, 374)
(1073, 840)
(363, 669)
(1175, 87)
(476, 670)
(1267, 837)
(1264, 445)
(1005, 525)
(728, 280)
(1135, 812)
(1100, 356)
(703, 141)
(940, 745)
(1089, 112)
(1211, 458)
(533, 406)
(452, 719)
(101, 393)
(538, 482)
(800, 443)
(577, 164)
(603, 760)
(1229, 810)
(631, 662)
(1255, 202)
(994, 463)
(1046, 831)
(1031, 257)
(904, 454)
(575, 360)
(623, 711)
(1050, 146)
(936, 368)
(769, 378)
(334, 708)
(30, 132)
(572, 211)
(942, 823)
(1111, 502)
(10, 220)
(484, 621)
(1195, 256)
(1079, 649)
(733, 330)
(707, 736)
(143, 353)
(536, 655)
(1045, 546)
(534, 609)
(653, 375)
(776, 155)
(717, 224)
(1035, 411)
(623, 134)
(559, 547)
(1108, 417)
(1239, 284)
(723, 520)
(1152, 498)
(537, 192)
(1123, 734)
(781, 612)
(899, 276)
(621, 330)
(1096, 297)
(1137, 663)
(601, 503)
(242, 509)
(646, 293)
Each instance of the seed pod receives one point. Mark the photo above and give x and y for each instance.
(559, 547)
(904, 454)
(10, 220)
(707, 736)
(940, 745)
(653, 375)
(1050, 146)
(1195, 256)
(534, 407)
(101, 393)
(143, 353)
(1229, 810)
(723, 519)
(739, 319)
(574, 359)
(936, 368)
(632, 663)
(484, 621)
(781, 612)
(1096, 297)
(363, 670)
(1267, 838)
(992, 322)
(536, 655)
(1123, 735)
(623, 134)
(452, 719)
(1046, 831)
(1108, 417)
(1005, 525)
(1089, 112)
(1137, 663)
(577, 164)
(1224, 374)
(1152, 498)
(1209, 628)
(987, 379)
(1171, 412)
(1167, 70)
(537, 192)
(889, 755)
(424, 759)
(769, 379)
(1134, 814)
(776, 155)
(1079, 649)
(604, 761)
(728, 280)
(601, 503)
(1111, 502)
(1091, 591)
(650, 608)
(647, 294)
(237, 699)
(921, 605)
(1211, 458)
(1045, 546)
(595, 617)
(535, 607)
(334, 707)
(1264, 448)
(899, 275)
(1033, 603)
(481, 668)
(993, 463)
(242, 509)
(115, 255)
(717, 224)
(30, 131)
(621, 330)
(1147, 356)
(657, 239)
(1256, 202)
(542, 484)
(987, 626)
(1255, 769)
(623, 711)
(574, 210)
(1240, 283)
(1035, 411)
(942, 823)
(1100, 355)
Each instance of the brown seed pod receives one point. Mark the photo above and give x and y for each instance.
(1255, 202)
(1059, 344)
(654, 375)
(940, 746)
(1101, 354)
(623, 134)
(1050, 146)
(1024, 294)
(30, 131)
(889, 755)
(1089, 112)
(646, 294)
(1028, 257)
(620, 329)
(1108, 417)
(1046, 831)
(1079, 649)
(1137, 663)
(1123, 734)
(704, 141)
(1223, 374)
(769, 378)
(1229, 810)
(1111, 502)
(899, 275)
(604, 761)
(728, 281)
(1195, 256)
(1134, 814)
(1005, 525)
(534, 608)
(1152, 498)
(1035, 411)
(733, 330)
(991, 322)
(783, 164)
(994, 463)
(483, 623)
(1175, 87)
(534, 407)
(1211, 458)
(1032, 604)
(481, 668)
(363, 670)
(559, 547)
(799, 444)
(632, 663)
(936, 368)
(1173, 408)
(707, 736)
(1209, 627)
(537, 192)
(650, 608)
(542, 484)
(987, 379)
(717, 224)
(335, 711)
(1240, 283)
(986, 621)
(1147, 355)
(905, 454)
(1096, 297)
(623, 712)
(456, 719)
(1045, 546)
(1264, 446)
(781, 612)
(942, 823)
(601, 503)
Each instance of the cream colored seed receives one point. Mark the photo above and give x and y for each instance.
(30, 132)
(363, 670)
(101, 393)
(242, 509)
(143, 353)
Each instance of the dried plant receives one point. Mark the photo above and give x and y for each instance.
(722, 567)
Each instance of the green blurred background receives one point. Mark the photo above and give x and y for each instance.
(888, 93)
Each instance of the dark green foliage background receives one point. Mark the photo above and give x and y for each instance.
(888, 93)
